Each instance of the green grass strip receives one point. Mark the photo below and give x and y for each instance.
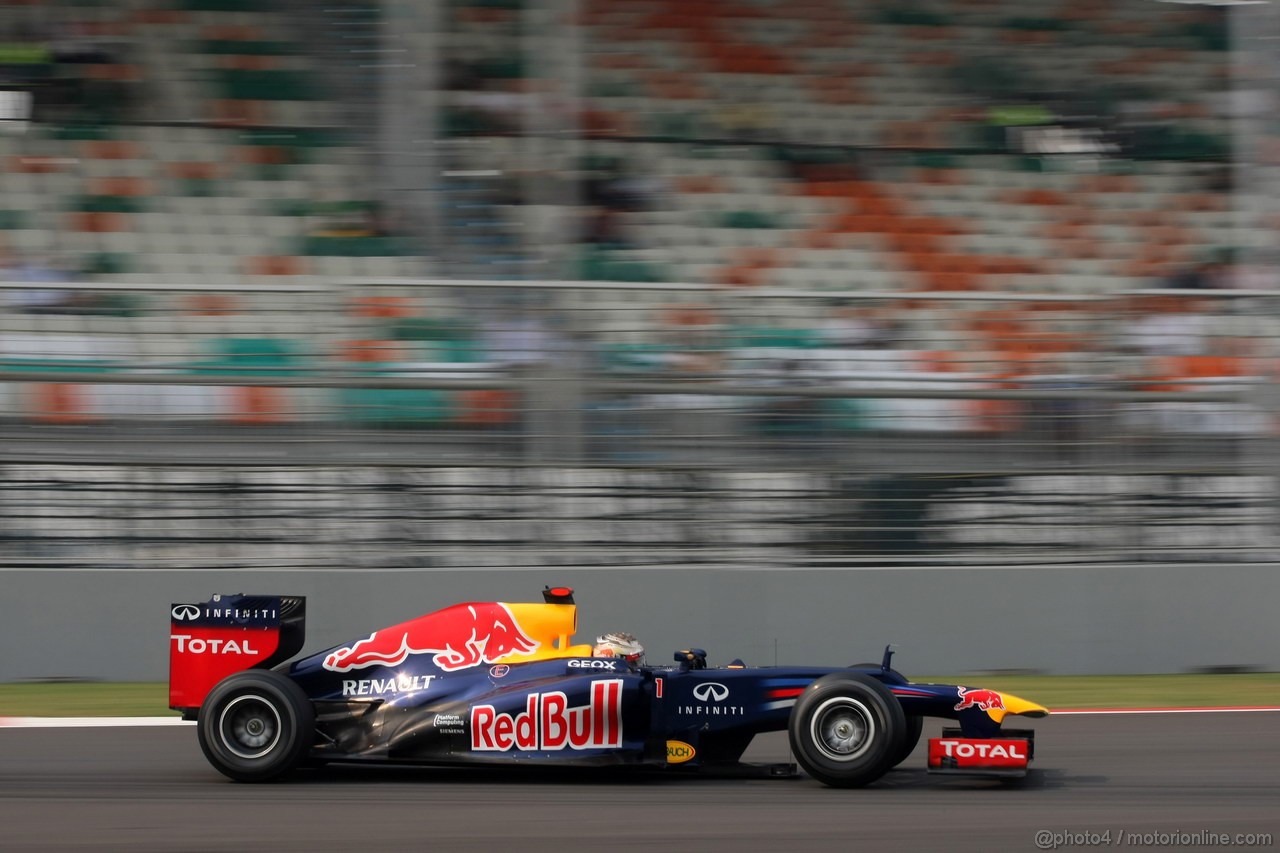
(84, 699)
(1130, 691)
(116, 699)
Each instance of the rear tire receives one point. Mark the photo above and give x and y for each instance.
(256, 725)
(846, 729)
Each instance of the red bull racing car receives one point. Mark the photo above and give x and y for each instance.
(485, 683)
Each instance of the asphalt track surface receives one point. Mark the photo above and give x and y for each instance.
(150, 789)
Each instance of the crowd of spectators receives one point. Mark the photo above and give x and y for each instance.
(74, 70)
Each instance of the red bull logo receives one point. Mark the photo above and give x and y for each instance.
(548, 723)
(457, 637)
(985, 700)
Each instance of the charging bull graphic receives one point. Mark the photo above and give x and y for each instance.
(985, 700)
(457, 637)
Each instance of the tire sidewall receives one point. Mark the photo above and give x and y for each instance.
(910, 738)
(860, 695)
(290, 710)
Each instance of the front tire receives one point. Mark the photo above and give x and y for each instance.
(914, 722)
(847, 730)
(256, 726)
(910, 737)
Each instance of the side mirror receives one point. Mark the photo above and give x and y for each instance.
(691, 659)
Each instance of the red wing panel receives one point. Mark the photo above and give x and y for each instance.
(201, 657)
(977, 754)
(227, 634)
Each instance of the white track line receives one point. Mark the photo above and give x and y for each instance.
(118, 722)
(88, 722)
(1105, 711)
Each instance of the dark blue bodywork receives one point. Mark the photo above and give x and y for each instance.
(414, 712)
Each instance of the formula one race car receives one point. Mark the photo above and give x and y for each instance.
(492, 683)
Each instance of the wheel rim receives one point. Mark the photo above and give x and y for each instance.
(842, 728)
(249, 726)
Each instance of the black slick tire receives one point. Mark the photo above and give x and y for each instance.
(256, 726)
(846, 729)
(910, 737)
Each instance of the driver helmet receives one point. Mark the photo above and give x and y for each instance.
(618, 645)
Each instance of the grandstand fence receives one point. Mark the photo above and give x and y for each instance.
(444, 423)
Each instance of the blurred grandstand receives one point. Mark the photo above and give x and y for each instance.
(503, 281)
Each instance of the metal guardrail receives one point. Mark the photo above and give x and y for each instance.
(709, 386)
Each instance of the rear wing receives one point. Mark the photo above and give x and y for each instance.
(226, 634)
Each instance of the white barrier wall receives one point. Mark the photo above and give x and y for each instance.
(113, 625)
